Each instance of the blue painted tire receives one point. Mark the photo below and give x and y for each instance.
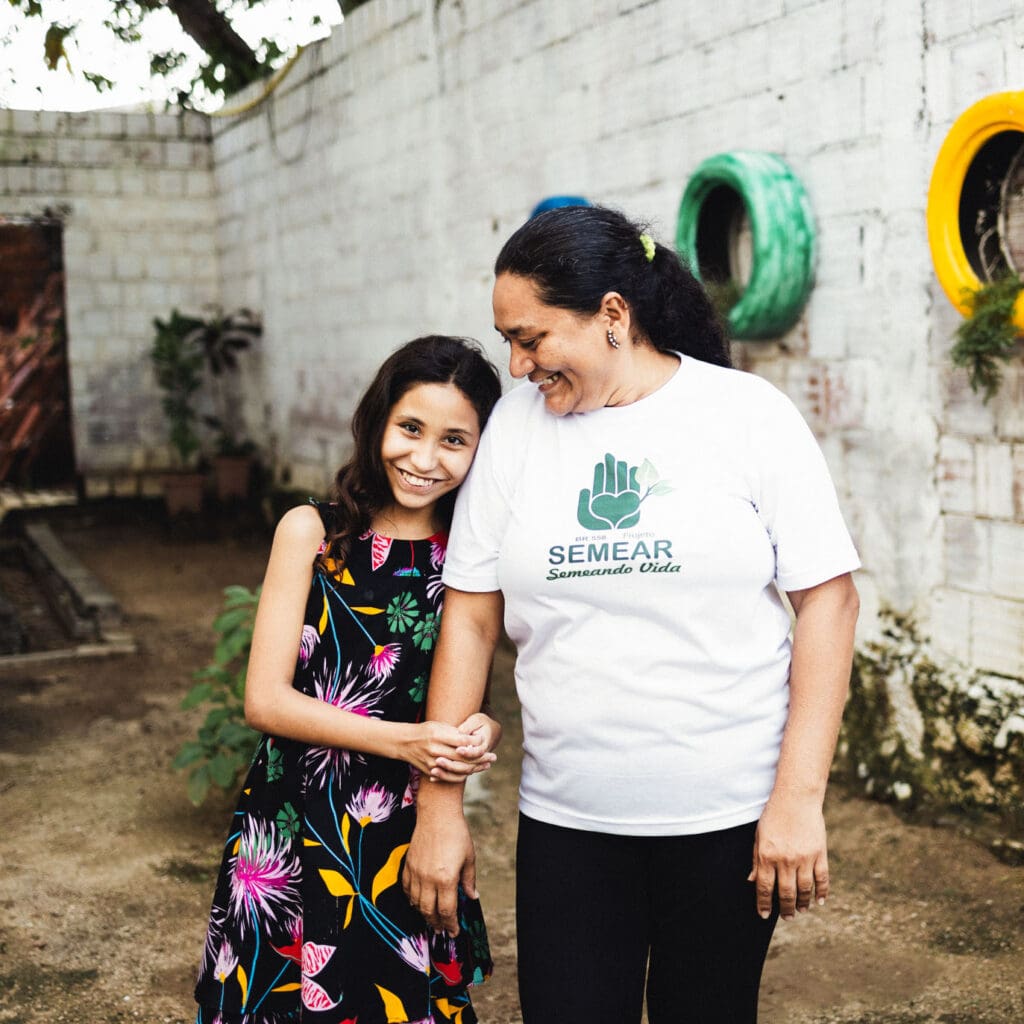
(554, 202)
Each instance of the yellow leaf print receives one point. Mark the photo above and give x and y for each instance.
(337, 884)
(244, 982)
(368, 611)
(346, 824)
(388, 875)
(323, 618)
(450, 1010)
(392, 1006)
(348, 914)
(234, 849)
(309, 842)
(346, 577)
(290, 987)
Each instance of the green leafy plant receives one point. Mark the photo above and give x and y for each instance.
(224, 744)
(221, 338)
(177, 362)
(988, 334)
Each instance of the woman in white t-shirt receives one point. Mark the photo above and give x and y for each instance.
(634, 514)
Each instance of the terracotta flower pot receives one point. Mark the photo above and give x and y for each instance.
(183, 492)
(232, 475)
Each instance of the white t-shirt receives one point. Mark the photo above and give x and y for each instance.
(638, 550)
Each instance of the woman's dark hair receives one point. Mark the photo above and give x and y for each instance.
(574, 255)
(361, 487)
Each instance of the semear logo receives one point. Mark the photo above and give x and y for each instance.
(614, 500)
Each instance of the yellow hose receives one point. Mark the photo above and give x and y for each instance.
(275, 80)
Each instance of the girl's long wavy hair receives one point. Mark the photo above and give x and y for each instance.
(361, 487)
(574, 255)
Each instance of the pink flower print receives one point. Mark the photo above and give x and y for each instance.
(435, 588)
(315, 998)
(307, 644)
(227, 961)
(265, 876)
(409, 796)
(314, 957)
(446, 959)
(383, 661)
(371, 803)
(415, 951)
(438, 550)
(213, 932)
(380, 547)
(293, 951)
(361, 697)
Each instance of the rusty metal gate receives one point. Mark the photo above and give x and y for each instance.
(35, 426)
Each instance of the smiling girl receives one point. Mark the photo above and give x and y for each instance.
(307, 920)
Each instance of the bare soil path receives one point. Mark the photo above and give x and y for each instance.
(106, 870)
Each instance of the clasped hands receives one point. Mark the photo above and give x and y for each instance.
(448, 753)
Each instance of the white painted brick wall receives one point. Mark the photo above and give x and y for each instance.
(117, 181)
(419, 136)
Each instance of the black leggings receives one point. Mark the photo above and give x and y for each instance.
(593, 908)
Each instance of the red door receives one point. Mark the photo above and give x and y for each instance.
(35, 424)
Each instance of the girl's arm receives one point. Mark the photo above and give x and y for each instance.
(441, 854)
(790, 850)
(273, 705)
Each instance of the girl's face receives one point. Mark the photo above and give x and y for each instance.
(428, 446)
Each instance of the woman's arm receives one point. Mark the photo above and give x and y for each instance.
(273, 705)
(790, 850)
(441, 854)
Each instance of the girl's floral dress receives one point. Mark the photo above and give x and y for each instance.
(309, 920)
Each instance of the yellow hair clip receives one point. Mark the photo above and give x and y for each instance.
(648, 243)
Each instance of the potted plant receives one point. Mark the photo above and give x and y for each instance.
(177, 363)
(988, 334)
(221, 338)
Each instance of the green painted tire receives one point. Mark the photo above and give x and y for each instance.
(782, 239)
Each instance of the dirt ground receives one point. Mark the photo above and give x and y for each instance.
(106, 870)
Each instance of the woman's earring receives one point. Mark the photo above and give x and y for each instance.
(611, 339)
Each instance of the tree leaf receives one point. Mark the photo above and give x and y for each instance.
(198, 693)
(198, 785)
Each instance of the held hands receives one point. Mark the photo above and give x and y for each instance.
(472, 757)
(790, 854)
(448, 753)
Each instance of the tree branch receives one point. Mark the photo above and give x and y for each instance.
(214, 34)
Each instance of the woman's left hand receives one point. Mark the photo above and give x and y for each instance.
(790, 855)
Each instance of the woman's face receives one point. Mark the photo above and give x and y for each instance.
(566, 355)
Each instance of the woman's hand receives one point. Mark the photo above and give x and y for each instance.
(441, 857)
(790, 855)
(473, 757)
(423, 744)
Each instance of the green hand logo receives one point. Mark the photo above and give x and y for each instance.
(613, 503)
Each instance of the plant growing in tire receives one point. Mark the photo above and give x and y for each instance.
(988, 335)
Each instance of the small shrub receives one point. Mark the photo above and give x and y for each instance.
(224, 744)
(988, 334)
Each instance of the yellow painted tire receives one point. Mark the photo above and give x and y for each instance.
(974, 129)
